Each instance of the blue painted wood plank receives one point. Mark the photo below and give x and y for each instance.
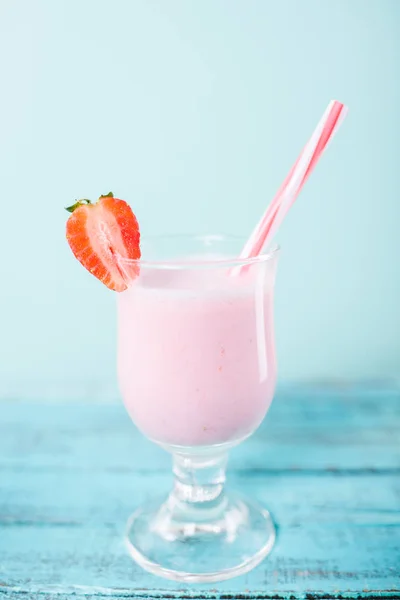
(308, 429)
(326, 462)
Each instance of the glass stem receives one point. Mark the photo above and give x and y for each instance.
(198, 492)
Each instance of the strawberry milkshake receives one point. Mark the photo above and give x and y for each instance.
(197, 371)
(196, 361)
(196, 368)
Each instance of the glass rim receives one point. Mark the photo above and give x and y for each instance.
(209, 239)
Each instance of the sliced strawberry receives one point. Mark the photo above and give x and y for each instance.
(101, 236)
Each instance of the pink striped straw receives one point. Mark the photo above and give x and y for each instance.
(296, 178)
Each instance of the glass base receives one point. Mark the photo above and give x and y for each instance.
(197, 545)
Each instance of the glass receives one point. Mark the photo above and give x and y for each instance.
(197, 373)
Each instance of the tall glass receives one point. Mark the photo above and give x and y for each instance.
(197, 373)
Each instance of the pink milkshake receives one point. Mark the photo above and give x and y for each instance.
(196, 360)
(196, 367)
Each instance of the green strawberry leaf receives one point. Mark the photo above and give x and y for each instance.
(77, 204)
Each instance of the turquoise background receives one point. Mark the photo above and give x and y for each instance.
(194, 111)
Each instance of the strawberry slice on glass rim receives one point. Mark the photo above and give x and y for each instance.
(104, 236)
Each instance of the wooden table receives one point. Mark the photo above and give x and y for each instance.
(326, 462)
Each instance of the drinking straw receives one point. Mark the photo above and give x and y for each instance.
(295, 180)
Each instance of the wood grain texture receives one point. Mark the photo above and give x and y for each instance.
(326, 462)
